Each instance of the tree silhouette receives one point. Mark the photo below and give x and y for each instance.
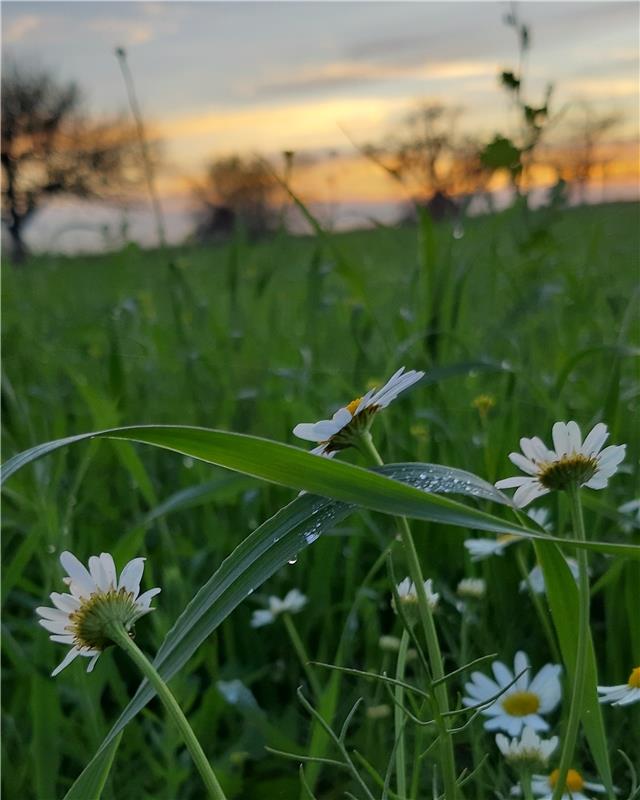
(50, 148)
(427, 156)
(236, 191)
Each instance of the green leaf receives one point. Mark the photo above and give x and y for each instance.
(298, 469)
(562, 594)
(92, 779)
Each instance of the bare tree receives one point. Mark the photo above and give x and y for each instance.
(50, 148)
(428, 157)
(577, 161)
(236, 191)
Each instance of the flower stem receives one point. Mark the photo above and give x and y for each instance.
(399, 717)
(441, 705)
(298, 646)
(120, 636)
(525, 785)
(579, 674)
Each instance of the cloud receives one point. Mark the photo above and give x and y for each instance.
(20, 27)
(349, 74)
(126, 32)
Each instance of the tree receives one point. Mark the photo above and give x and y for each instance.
(427, 156)
(50, 148)
(237, 191)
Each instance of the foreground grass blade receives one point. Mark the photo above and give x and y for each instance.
(92, 779)
(266, 550)
(298, 469)
(562, 594)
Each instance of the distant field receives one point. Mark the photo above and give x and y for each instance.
(540, 312)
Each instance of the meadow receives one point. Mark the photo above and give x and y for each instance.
(517, 319)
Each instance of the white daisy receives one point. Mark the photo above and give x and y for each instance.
(632, 511)
(348, 422)
(523, 702)
(573, 460)
(96, 600)
(408, 595)
(292, 602)
(541, 516)
(479, 549)
(529, 750)
(543, 786)
(472, 587)
(535, 579)
(625, 694)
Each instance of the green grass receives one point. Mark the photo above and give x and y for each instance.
(538, 312)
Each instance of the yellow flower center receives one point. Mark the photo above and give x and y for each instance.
(353, 405)
(519, 704)
(634, 679)
(573, 468)
(574, 781)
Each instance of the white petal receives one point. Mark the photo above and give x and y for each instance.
(81, 580)
(546, 684)
(575, 437)
(521, 664)
(595, 439)
(131, 576)
(144, 601)
(503, 674)
(599, 481)
(528, 492)
(53, 614)
(481, 686)
(512, 483)
(62, 638)
(326, 428)
(109, 569)
(365, 401)
(540, 450)
(71, 656)
(65, 602)
(98, 574)
(59, 627)
(560, 437)
(523, 463)
(612, 455)
(306, 431)
(92, 663)
(632, 697)
(261, 617)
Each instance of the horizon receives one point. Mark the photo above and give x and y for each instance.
(219, 78)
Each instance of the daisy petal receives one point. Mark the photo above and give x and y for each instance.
(131, 576)
(71, 656)
(80, 577)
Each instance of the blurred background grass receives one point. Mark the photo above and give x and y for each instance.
(537, 310)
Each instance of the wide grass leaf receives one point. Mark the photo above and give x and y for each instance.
(298, 469)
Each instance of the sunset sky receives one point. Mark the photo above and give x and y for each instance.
(220, 77)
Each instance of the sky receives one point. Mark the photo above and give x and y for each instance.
(215, 78)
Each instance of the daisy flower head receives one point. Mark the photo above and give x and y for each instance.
(475, 588)
(521, 702)
(544, 786)
(479, 549)
(535, 579)
(571, 462)
(625, 693)
(96, 600)
(292, 602)
(527, 751)
(350, 421)
(408, 597)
